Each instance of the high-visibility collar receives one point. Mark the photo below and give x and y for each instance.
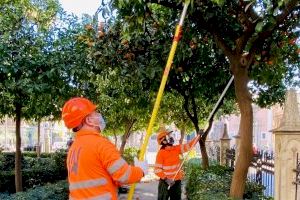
(86, 132)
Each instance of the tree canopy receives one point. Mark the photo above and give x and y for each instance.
(258, 40)
(42, 64)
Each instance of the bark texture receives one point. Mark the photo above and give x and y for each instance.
(126, 135)
(18, 172)
(245, 153)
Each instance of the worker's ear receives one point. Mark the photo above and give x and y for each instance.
(89, 120)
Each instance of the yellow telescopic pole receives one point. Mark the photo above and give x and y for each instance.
(176, 39)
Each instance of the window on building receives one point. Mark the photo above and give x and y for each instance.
(263, 135)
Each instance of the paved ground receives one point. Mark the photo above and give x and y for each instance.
(143, 191)
(147, 189)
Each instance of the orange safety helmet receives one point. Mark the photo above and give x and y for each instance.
(162, 134)
(75, 110)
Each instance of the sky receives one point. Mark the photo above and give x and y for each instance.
(79, 7)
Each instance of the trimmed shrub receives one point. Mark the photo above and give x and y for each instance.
(7, 181)
(7, 159)
(55, 191)
(35, 171)
(214, 183)
(60, 162)
(34, 154)
(30, 178)
(211, 184)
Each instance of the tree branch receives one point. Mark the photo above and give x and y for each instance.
(249, 28)
(241, 42)
(247, 8)
(289, 24)
(186, 107)
(290, 6)
(206, 131)
(203, 24)
(222, 45)
(166, 3)
(194, 107)
(262, 36)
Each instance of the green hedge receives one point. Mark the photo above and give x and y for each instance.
(214, 183)
(30, 178)
(35, 171)
(56, 191)
(34, 154)
(7, 159)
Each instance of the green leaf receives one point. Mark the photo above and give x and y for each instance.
(259, 26)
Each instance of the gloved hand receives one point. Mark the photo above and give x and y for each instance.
(141, 164)
(170, 182)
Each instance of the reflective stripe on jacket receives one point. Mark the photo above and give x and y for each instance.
(168, 161)
(96, 169)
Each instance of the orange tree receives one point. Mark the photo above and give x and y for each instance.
(124, 104)
(140, 59)
(257, 38)
(143, 57)
(121, 95)
(41, 64)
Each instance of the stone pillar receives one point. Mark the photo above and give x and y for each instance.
(208, 143)
(287, 145)
(237, 142)
(6, 132)
(224, 145)
(46, 137)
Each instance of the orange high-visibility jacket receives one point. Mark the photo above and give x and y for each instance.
(96, 169)
(168, 161)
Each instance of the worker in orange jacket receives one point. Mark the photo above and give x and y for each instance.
(168, 163)
(95, 167)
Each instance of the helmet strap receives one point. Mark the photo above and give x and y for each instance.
(76, 129)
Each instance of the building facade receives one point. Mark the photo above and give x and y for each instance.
(264, 120)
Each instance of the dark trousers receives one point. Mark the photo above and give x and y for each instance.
(174, 193)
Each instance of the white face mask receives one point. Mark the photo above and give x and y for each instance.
(102, 123)
(170, 139)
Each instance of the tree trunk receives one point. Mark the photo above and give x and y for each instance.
(116, 139)
(126, 135)
(194, 119)
(123, 143)
(205, 163)
(245, 151)
(18, 172)
(38, 147)
(182, 134)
